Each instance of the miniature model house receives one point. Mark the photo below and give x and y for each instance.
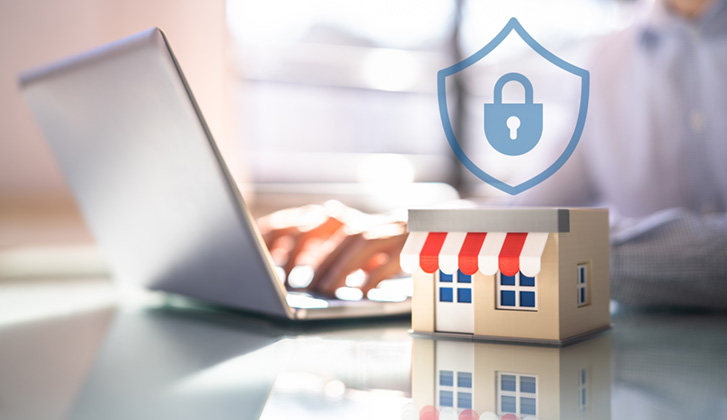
(506, 381)
(533, 275)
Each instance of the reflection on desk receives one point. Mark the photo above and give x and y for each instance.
(157, 360)
(670, 365)
(155, 364)
(190, 364)
(492, 381)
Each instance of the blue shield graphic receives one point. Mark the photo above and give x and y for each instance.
(512, 25)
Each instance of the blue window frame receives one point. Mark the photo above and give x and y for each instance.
(517, 394)
(445, 294)
(527, 406)
(527, 384)
(508, 383)
(464, 295)
(583, 389)
(526, 280)
(507, 298)
(509, 404)
(464, 379)
(455, 389)
(464, 400)
(463, 278)
(518, 292)
(451, 287)
(446, 398)
(507, 280)
(446, 378)
(527, 299)
(582, 284)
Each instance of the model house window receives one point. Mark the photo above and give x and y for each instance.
(517, 394)
(582, 389)
(517, 292)
(455, 287)
(582, 284)
(455, 389)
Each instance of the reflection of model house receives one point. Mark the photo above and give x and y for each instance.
(537, 275)
(506, 381)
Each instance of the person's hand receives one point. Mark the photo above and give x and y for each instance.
(324, 248)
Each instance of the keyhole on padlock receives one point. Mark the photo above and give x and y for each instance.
(513, 123)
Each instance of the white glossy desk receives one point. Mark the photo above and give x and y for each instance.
(74, 349)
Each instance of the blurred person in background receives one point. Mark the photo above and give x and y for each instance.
(653, 151)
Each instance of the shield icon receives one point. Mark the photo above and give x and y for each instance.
(583, 75)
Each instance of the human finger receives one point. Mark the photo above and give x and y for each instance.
(274, 236)
(360, 253)
(348, 246)
(309, 244)
(290, 222)
(387, 270)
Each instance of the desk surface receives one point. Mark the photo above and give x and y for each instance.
(76, 349)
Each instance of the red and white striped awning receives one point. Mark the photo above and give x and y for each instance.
(472, 252)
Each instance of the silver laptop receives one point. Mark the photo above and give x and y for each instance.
(150, 182)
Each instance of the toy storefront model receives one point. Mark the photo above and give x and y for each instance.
(526, 274)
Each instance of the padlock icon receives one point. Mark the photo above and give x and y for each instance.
(513, 129)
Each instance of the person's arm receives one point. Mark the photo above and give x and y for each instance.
(675, 259)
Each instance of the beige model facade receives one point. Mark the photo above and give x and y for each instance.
(532, 275)
(511, 381)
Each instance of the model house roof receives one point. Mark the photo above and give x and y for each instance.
(490, 220)
(484, 240)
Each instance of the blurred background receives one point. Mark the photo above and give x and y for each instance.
(340, 96)
(308, 100)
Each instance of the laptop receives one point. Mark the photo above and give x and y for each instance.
(153, 188)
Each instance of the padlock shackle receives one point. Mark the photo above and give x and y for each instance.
(517, 77)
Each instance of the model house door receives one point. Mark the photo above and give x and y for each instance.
(454, 311)
(454, 381)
